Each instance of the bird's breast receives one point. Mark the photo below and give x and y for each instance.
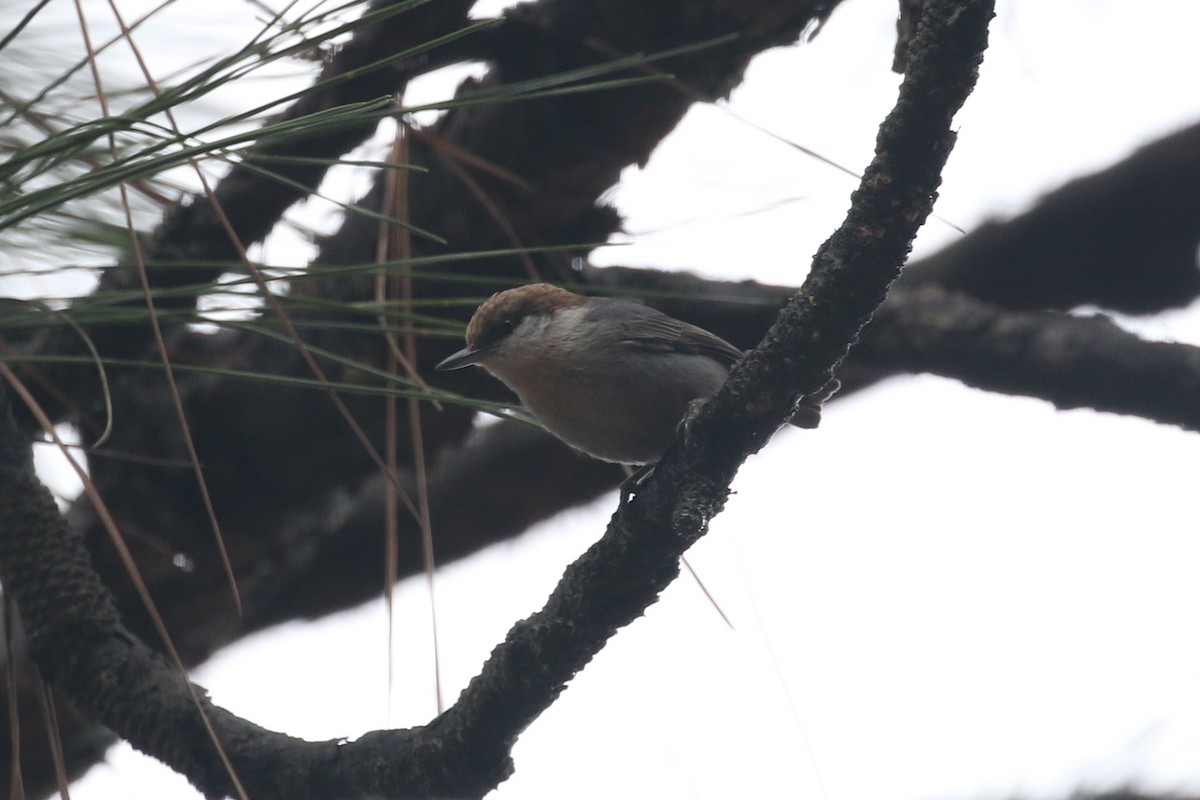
(623, 409)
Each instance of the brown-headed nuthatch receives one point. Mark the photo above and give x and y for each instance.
(611, 378)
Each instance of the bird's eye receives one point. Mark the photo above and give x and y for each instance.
(508, 325)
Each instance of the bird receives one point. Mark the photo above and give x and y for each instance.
(611, 378)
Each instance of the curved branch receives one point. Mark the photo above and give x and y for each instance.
(79, 644)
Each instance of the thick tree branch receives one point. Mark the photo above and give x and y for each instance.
(79, 644)
(1071, 361)
(1123, 238)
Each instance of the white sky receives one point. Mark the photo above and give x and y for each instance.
(939, 594)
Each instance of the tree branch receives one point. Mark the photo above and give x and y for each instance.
(1071, 361)
(1123, 238)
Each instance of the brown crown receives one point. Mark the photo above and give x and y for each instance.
(497, 315)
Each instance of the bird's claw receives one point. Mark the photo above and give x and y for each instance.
(808, 410)
(633, 480)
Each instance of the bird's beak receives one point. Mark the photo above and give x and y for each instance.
(463, 358)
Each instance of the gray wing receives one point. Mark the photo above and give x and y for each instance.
(647, 329)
